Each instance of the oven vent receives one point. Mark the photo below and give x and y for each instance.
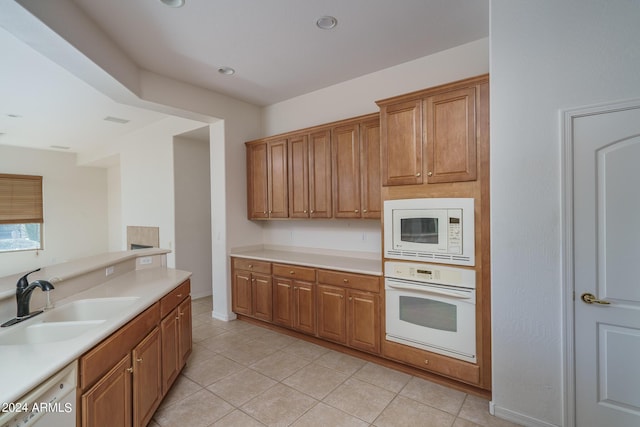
(442, 258)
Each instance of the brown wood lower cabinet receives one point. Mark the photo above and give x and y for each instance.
(124, 378)
(336, 306)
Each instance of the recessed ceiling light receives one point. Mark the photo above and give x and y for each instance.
(14, 116)
(173, 3)
(326, 22)
(227, 71)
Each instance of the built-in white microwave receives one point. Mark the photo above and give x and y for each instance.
(430, 229)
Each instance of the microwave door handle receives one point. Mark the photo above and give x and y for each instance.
(454, 294)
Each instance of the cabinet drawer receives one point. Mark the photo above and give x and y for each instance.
(99, 360)
(252, 265)
(350, 280)
(458, 369)
(294, 272)
(175, 297)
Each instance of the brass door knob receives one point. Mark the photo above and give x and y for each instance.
(592, 299)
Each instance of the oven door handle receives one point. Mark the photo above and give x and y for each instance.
(431, 290)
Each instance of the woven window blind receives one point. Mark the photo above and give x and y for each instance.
(20, 199)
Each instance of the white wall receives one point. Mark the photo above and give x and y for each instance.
(545, 56)
(353, 98)
(75, 207)
(192, 185)
(146, 179)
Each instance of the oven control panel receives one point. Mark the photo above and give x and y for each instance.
(431, 273)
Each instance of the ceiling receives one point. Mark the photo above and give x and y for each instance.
(274, 46)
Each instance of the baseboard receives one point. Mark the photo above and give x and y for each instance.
(516, 417)
(225, 317)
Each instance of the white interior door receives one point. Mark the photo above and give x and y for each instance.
(606, 249)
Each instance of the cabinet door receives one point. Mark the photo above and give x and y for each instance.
(108, 402)
(363, 320)
(257, 181)
(147, 381)
(320, 174)
(304, 303)
(331, 313)
(299, 176)
(170, 333)
(345, 144)
(241, 292)
(401, 144)
(282, 301)
(262, 297)
(185, 335)
(278, 195)
(371, 204)
(451, 136)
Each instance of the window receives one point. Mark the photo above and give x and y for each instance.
(21, 214)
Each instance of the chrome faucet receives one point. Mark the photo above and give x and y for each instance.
(23, 297)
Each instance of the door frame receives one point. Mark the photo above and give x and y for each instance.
(568, 286)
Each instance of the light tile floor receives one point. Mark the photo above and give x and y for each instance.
(243, 375)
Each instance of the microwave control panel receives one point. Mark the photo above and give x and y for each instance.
(454, 227)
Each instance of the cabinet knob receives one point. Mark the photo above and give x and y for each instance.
(305, 211)
(364, 210)
(264, 212)
(269, 211)
(341, 296)
(356, 211)
(350, 298)
(250, 266)
(429, 173)
(179, 296)
(345, 280)
(418, 174)
(295, 288)
(292, 272)
(130, 370)
(177, 317)
(312, 211)
(426, 362)
(139, 360)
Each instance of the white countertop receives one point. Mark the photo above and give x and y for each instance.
(352, 264)
(22, 367)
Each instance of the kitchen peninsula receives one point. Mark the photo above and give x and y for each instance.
(149, 301)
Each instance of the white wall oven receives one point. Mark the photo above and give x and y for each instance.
(430, 230)
(432, 307)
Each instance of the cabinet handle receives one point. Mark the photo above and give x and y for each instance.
(139, 360)
(179, 296)
(418, 174)
(426, 362)
(182, 313)
(130, 370)
(292, 272)
(345, 280)
(350, 298)
(429, 173)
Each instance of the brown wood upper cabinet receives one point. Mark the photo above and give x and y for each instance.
(327, 171)
(439, 123)
(310, 175)
(356, 166)
(267, 179)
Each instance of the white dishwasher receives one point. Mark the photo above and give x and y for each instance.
(51, 404)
